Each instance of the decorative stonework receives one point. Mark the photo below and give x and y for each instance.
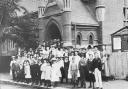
(65, 11)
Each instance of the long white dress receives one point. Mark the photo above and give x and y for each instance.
(105, 61)
(55, 72)
(27, 71)
(48, 72)
(60, 64)
(77, 60)
(43, 70)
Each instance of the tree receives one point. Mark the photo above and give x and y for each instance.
(22, 30)
(8, 10)
(27, 30)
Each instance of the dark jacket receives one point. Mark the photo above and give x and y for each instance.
(97, 64)
(66, 65)
(90, 65)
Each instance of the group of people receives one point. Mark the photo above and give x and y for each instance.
(50, 65)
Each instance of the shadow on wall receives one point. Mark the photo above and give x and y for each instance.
(5, 64)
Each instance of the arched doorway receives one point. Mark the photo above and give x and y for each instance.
(52, 32)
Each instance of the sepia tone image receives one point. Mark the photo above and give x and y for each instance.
(63, 44)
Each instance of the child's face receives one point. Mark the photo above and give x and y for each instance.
(96, 55)
(61, 49)
(31, 56)
(76, 53)
(44, 61)
(47, 48)
(24, 63)
(90, 57)
(53, 61)
(66, 60)
(72, 54)
(82, 56)
(27, 63)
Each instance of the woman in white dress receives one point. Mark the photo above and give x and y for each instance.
(48, 75)
(105, 60)
(43, 70)
(55, 72)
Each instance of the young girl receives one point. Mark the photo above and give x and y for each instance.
(27, 71)
(43, 70)
(48, 75)
(55, 72)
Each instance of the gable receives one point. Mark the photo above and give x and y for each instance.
(82, 13)
(52, 8)
(122, 31)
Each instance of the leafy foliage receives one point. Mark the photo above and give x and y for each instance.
(8, 10)
(28, 30)
(23, 30)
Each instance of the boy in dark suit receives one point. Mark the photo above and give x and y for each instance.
(97, 71)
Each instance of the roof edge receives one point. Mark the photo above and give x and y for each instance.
(119, 30)
(85, 24)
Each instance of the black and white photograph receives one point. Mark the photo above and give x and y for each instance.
(63, 44)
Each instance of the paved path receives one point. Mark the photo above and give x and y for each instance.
(115, 84)
(11, 86)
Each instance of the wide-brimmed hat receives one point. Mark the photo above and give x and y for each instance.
(13, 56)
(53, 59)
(65, 57)
(58, 57)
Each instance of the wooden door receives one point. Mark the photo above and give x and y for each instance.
(125, 43)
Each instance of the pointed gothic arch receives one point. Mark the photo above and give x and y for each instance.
(91, 38)
(53, 30)
(79, 38)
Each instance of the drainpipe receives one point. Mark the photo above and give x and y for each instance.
(75, 35)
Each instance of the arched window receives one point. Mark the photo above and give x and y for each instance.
(78, 39)
(91, 38)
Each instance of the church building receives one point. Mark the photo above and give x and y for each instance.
(74, 22)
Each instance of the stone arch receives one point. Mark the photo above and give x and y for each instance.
(79, 38)
(53, 30)
(91, 38)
